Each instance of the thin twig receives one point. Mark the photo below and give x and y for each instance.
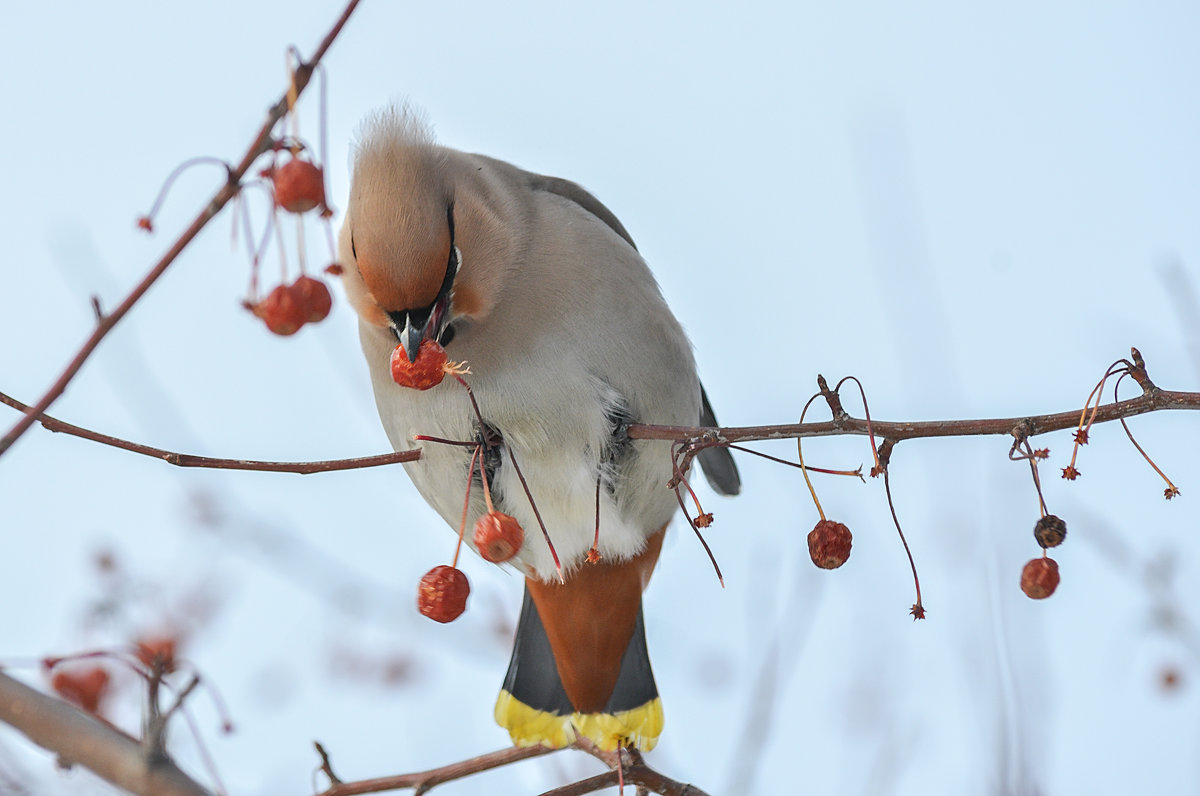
(192, 460)
(422, 781)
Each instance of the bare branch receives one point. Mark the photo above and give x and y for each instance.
(422, 781)
(1153, 400)
(191, 460)
(79, 738)
(636, 773)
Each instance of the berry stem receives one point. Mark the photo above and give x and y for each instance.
(800, 455)
(301, 254)
(700, 536)
(1122, 366)
(1016, 454)
(856, 472)
(699, 509)
(444, 441)
(487, 490)
(1037, 479)
(516, 467)
(594, 554)
(867, 413)
(1171, 490)
(282, 251)
(918, 609)
(462, 525)
(536, 513)
(174, 175)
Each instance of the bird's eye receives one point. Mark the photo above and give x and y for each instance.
(353, 251)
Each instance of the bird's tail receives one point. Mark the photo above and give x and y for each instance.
(534, 706)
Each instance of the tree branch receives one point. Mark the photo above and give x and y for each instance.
(635, 773)
(191, 460)
(1152, 400)
(261, 144)
(696, 437)
(422, 781)
(79, 738)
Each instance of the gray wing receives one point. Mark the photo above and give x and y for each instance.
(580, 196)
(717, 463)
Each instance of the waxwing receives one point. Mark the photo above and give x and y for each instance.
(539, 288)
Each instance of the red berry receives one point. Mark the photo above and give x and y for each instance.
(428, 369)
(82, 687)
(442, 595)
(313, 297)
(498, 537)
(299, 186)
(281, 311)
(829, 544)
(1039, 578)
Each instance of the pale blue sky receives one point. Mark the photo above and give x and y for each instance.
(972, 210)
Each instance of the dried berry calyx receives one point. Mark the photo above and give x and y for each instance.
(426, 371)
(313, 297)
(498, 537)
(1050, 531)
(156, 652)
(299, 186)
(442, 595)
(280, 311)
(829, 544)
(1039, 578)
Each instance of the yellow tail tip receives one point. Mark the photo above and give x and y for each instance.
(528, 726)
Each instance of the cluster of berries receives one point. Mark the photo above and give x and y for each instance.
(298, 187)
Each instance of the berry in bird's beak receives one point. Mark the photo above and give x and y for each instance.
(425, 371)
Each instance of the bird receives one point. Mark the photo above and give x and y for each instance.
(539, 289)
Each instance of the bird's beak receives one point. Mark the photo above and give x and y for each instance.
(413, 333)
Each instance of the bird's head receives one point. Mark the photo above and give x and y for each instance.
(400, 246)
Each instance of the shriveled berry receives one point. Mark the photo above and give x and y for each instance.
(299, 186)
(442, 595)
(829, 544)
(313, 297)
(426, 371)
(82, 687)
(280, 311)
(1039, 578)
(498, 537)
(1050, 531)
